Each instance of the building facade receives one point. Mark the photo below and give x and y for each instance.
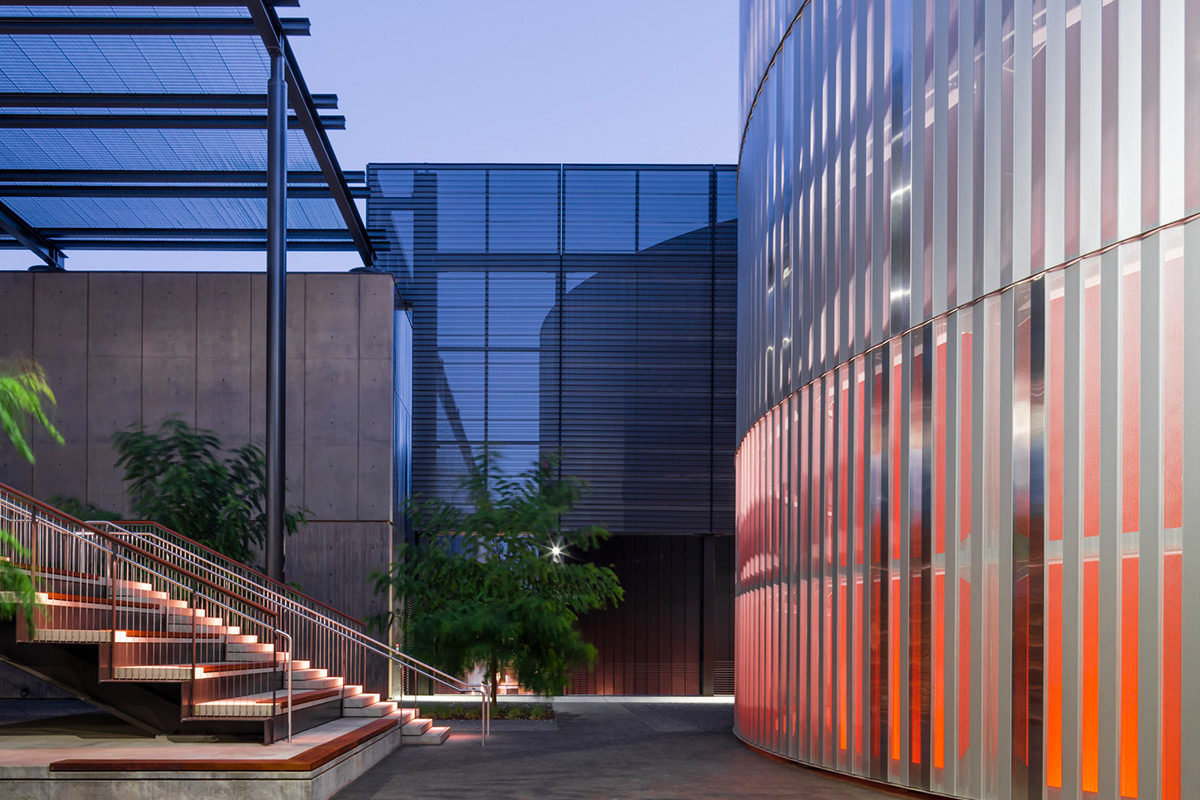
(587, 310)
(136, 349)
(967, 237)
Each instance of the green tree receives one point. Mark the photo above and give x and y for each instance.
(24, 397)
(178, 476)
(501, 584)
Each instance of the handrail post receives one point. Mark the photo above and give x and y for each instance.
(33, 548)
(288, 637)
(112, 599)
(192, 607)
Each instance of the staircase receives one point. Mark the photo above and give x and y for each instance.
(180, 640)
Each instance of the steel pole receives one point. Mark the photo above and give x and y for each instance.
(277, 113)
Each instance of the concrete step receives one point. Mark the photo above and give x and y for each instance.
(239, 638)
(351, 690)
(432, 736)
(361, 699)
(203, 625)
(266, 658)
(374, 710)
(140, 594)
(317, 683)
(300, 674)
(416, 727)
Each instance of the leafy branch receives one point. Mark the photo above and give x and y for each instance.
(500, 583)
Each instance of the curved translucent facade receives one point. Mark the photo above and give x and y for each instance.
(968, 491)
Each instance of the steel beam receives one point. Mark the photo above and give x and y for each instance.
(325, 102)
(146, 3)
(256, 234)
(30, 238)
(142, 26)
(190, 190)
(301, 102)
(222, 122)
(161, 176)
(218, 246)
(277, 190)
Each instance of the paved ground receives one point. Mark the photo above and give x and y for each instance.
(602, 750)
(35, 733)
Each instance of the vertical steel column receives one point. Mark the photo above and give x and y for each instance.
(277, 108)
(708, 615)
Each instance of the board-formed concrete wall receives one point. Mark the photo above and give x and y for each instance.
(122, 349)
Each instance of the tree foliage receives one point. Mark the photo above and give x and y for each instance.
(24, 397)
(16, 588)
(178, 476)
(501, 583)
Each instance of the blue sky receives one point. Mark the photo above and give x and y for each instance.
(506, 81)
(528, 80)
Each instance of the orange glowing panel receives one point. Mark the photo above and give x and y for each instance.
(894, 666)
(843, 379)
(939, 677)
(858, 673)
(860, 431)
(842, 709)
(1129, 677)
(1172, 679)
(1053, 651)
(964, 667)
(1089, 747)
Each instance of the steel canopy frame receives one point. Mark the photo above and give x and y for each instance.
(197, 111)
(285, 87)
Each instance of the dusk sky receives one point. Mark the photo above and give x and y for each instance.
(527, 80)
(650, 81)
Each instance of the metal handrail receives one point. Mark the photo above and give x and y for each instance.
(125, 525)
(211, 566)
(83, 537)
(67, 518)
(336, 627)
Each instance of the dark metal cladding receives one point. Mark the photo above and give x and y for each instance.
(587, 310)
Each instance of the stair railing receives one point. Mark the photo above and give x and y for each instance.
(314, 643)
(310, 625)
(147, 615)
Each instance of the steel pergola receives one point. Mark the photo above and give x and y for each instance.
(168, 125)
(54, 110)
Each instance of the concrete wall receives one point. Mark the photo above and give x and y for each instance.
(130, 348)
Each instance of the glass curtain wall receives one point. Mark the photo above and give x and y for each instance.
(588, 310)
(968, 234)
(582, 309)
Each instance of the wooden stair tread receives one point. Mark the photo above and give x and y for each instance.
(170, 634)
(306, 696)
(309, 760)
(101, 601)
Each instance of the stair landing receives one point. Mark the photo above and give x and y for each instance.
(318, 763)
